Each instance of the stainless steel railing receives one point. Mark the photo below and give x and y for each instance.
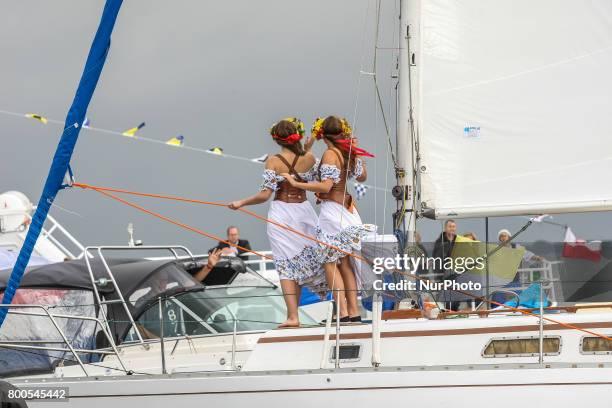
(69, 348)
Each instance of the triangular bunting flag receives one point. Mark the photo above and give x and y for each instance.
(132, 132)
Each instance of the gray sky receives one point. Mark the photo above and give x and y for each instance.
(217, 72)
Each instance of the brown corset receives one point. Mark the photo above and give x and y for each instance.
(337, 192)
(285, 191)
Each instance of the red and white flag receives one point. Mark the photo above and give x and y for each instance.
(579, 248)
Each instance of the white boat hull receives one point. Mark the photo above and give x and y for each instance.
(558, 386)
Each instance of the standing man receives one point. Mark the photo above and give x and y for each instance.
(233, 236)
(443, 246)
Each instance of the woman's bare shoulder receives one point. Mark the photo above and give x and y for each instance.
(330, 157)
(272, 162)
(310, 158)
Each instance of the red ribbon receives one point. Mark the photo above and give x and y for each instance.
(291, 139)
(348, 146)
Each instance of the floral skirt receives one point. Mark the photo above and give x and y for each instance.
(296, 258)
(341, 228)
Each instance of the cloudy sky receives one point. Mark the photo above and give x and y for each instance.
(218, 73)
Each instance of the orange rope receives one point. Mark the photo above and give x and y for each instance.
(514, 309)
(217, 204)
(178, 223)
(105, 191)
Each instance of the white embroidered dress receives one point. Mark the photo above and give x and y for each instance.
(296, 257)
(339, 226)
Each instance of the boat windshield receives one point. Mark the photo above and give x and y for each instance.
(214, 310)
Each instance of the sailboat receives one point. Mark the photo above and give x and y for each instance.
(487, 92)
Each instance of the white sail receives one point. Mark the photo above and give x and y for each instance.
(514, 110)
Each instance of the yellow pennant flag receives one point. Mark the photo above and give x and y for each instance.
(215, 150)
(176, 141)
(39, 118)
(132, 132)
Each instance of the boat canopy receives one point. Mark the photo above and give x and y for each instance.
(130, 274)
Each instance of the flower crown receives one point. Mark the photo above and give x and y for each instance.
(299, 125)
(317, 128)
(347, 143)
(297, 122)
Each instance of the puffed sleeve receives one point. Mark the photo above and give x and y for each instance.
(270, 180)
(313, 173)
(358, 170)
(330, 172)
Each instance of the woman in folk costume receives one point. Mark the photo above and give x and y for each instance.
(339, 222)
(297, 258)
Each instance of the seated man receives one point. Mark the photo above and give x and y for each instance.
(233, 236)
(213, 259)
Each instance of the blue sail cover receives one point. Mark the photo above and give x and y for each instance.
(61, 159)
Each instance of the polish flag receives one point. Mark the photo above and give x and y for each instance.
(579, 248)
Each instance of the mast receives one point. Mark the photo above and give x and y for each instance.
(61, 160)
(404, 192)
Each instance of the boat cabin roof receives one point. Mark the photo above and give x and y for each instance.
(129, 273)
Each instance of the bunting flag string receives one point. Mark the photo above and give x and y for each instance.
(178, 141)
(261, 159)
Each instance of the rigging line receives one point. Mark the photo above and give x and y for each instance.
(376, 125)
(413, 141)
(299, 233)
(558, 224)
(348, 160)
(390, 152)
(365, 26)
(333, 283)
(514, 309)
(177, 223)
(55, 205)
(503, 244)
(213, 203)
(376, 87)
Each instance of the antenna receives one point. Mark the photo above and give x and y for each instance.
(132, 242)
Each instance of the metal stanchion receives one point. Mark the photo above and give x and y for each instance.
(234, 345)
(541, 350)
(337, 328)
(161, 337)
